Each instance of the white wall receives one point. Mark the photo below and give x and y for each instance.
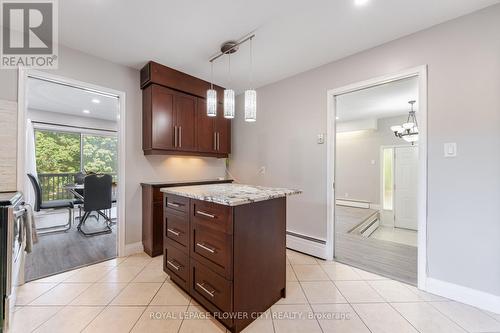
(463, 58)
(71, 120)
(80, 66)
(356, 178)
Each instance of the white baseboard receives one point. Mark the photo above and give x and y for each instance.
(477, 298)
(133, 248)
(306, 246)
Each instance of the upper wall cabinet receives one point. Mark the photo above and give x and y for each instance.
(174, 115)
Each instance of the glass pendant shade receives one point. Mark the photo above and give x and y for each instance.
(229, 103)
(250, 105)
(408, 125)
(396, 128)
(211, 103)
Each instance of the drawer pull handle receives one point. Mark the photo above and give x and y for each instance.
(206, 248)
(202, 287)
(173, 232)
(172, 204)
(205, 214)
(174, 266)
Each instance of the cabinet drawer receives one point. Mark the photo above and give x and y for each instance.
(214, 216)
(176, 265)
(176, 204)
(177, 229)
(212, 248)
(211, 286)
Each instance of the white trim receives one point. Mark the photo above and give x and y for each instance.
(133, 248)
(421, 73)
(23, 75)
(463, 294)
(307, 246)
(352, 203)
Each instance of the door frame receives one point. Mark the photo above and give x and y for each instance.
(23, 75)
(421, 73)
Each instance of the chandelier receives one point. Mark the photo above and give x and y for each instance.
(409, 130)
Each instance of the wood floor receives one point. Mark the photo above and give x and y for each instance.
(391, 259)
(60, 252)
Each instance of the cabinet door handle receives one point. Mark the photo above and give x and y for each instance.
(205, 214)
(215, 140)
(206, 248)
(173, 204)
(180, 136)
(175, 136)
(202, 287)
(218, 140)
(173, 232)
(174, 266)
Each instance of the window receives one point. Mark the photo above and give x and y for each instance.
(61, 154)
(388, 178)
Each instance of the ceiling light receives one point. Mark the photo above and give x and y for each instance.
(409, 130)
(229, 96)
(211, 95)
(96, 101)
(337, 118)
(361, 2)
(251, 94)
(86, 111)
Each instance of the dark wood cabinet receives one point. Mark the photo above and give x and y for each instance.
(153, 232)
(235, 262)
(174, 115)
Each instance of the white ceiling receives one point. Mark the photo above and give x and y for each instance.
(53, 97)
(292, 36)
(383, 101)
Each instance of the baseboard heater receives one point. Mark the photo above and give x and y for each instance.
(309, 238)
(353, 203)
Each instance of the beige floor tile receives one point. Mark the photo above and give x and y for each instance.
(358, 292)
(294, 319)
(62, 294)
(115, 319)
(325, 262)
(151, 274)
(29, 318)
(166, 319)
(382, 318)
(200, 321)
(136, 294)
(428, 297)
(28, 292)
(393, 291)
(297, 258)
(426, 319)
(112, 262)
(122, 274)
(141, 259)
(468, 317)
(338, 272)
(70, 319)
(310, 273)
(99, 294)
(322, 292)
(365, 275)
(89, 274)
(339, 318)
(294, 294)
(170, 294)
(290, 274)
(57, 277)
(263, 324)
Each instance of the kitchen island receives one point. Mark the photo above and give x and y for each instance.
(225, 245)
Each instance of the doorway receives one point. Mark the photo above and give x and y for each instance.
(377, 204)
(72, 139)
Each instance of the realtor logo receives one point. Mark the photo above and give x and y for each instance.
(29, 34)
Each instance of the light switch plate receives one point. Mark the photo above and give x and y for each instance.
(321, 139)
(450, 149)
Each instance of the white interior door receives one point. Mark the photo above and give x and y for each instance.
(405, 187)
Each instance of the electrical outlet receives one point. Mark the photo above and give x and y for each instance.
(321, 138)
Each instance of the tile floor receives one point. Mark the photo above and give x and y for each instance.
(133, 294)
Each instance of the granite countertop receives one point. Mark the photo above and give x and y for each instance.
(230, 194)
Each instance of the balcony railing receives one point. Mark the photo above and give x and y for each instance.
(52, 185)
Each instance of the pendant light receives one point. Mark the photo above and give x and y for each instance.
(211, 95)
(251, 94)
(409, 130)
(229, 96)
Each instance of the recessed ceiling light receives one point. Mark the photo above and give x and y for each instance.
(337, 118)
(96, 101)
(361, 2)
(86, 111)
